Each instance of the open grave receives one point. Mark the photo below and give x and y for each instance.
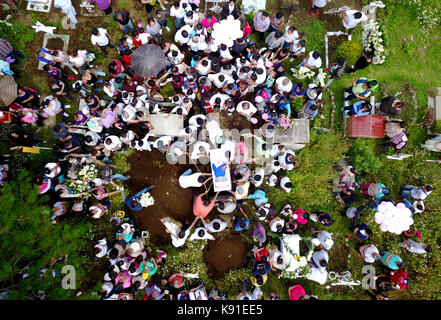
(54, 42)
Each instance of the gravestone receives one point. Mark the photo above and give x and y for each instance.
(166, 127)
(48, 36)
(299, 134)
(39, 5)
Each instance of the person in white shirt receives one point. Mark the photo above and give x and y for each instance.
(220, 79)
(273, 180)
(197, 120)
(351, 18)
(182, 36)
(275, 166)
(229, 147)
(316, 5)
(101, 39)
(201, 234)
(218, 100)
(225, 54)
(283, 84)
(216, 225)
(214, 130)
(92, 139)
(290, 35)
(257, 178)
(312, 61)
(52, 170)
(193, 43)
(112, 143)
(370, 253)
(285, 184)
(203, 67)
(276, 225)
(324, 239)
(297, 48)
(180, 237)
(246, 108)
(193, 180)
(200, 149)
(191, 18)
(226, 207)
(261, 75)
(189, 134)
(162, 143)
(127, 137)
(177, 12)
(276, 260)
(320, 259)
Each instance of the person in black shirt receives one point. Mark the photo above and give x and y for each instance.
(363, 62)
(125, 21)
(27, 96)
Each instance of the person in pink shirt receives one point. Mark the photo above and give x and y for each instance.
(125, 278)
(201, 208)
(209, 21)
(241, 150)
(300, 216)
(296, 292)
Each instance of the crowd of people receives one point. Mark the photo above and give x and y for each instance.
(248, 79)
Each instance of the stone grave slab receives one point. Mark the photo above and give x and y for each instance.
(166, 127)
(39, 5)
(437, 108)
(298, 134)
(47, 36)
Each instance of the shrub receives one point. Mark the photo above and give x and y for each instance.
(362, 157)
(349, 50)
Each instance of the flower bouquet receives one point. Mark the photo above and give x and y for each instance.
(372, 37)
(285, 123)
(320, 78)
(146, 200)
(84, 177)
(302, 73)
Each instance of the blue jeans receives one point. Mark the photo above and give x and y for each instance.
(302, 63)
(128, 27)
(178, 22)
(187, 172)
(118, 176)
(406, 191)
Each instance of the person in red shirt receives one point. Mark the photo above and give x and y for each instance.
(246, 31)
(203, 207)
(261, 254)
(400, 278)
(127, 57)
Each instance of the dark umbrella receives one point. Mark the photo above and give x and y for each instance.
(148, 59)
(8, 90)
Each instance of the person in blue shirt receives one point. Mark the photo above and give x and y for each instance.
(363, 232)
(241, 224)
(259, 197)
(133, 202)
(5, 68)
(360, 108)
(298, 90)
(309, 110)
(260, 268)
(284, 105)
